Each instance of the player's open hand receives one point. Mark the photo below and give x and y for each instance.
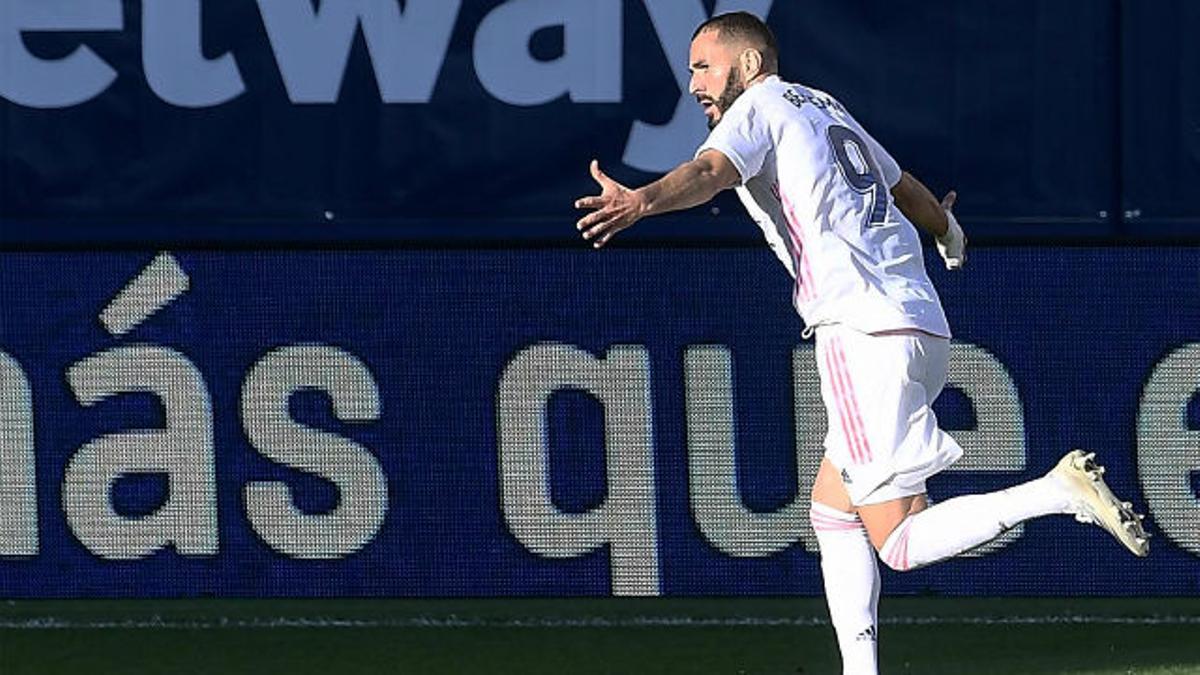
(614, 209)
(953, 244)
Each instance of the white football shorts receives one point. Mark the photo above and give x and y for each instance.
(883, 435)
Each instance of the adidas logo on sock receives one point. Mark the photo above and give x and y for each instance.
(867, 635)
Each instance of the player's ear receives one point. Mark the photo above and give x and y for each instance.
(751, 62)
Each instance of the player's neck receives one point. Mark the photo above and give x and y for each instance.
(758, 79)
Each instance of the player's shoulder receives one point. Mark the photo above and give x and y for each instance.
(764, 101)
(781, 97)
(768, 91)
(803, 96)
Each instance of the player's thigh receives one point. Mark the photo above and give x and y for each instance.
(829, 490)
(880, 519)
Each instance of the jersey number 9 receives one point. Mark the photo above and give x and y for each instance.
(861, 171)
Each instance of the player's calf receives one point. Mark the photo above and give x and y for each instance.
(851, 579)
(1075, 486)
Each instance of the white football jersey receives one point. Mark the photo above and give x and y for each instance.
(820, 188)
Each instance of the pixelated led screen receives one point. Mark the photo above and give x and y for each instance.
(548, 422)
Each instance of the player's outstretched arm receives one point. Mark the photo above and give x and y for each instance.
(618, 207)
(919, 205)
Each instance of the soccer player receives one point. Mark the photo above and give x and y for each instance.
(840, 214)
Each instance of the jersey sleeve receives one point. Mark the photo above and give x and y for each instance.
(743, 137)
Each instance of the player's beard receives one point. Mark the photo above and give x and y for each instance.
(734, 87)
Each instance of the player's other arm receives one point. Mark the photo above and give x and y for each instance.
(687, 185)
(919, 205)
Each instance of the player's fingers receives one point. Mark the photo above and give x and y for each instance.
(592, 202)
(598, 175)
(599, 233)
(949, 199)
(588, 220)
(601, 241)
(593, 223)
(601, 236)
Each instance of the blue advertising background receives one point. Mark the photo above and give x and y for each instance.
(433, 120)
(1079, 330)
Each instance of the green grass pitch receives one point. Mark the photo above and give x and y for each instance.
(927, 636)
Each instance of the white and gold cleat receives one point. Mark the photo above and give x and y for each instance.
(1095, 503)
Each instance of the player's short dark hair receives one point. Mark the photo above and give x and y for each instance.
(744, 26)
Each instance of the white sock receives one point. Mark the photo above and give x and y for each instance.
(944, 530)
(851, 586)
